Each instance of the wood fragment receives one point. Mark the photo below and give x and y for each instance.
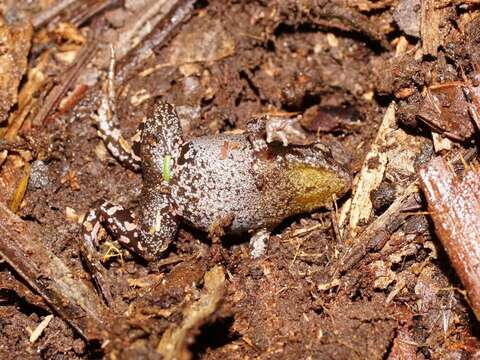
(67, 79)
(27, 99)
(154, 11)
(20, 190)
(162, 30)
(62, 289)
(15, 46)
(375, 236)
(8, 283)
(43, 17)
(340, 16)
(441, 143)
(40, 328)
(430, 27)
(371, 174)
(378, 232)
(454, 205)
(81, 17)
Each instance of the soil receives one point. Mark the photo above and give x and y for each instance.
(337, 63)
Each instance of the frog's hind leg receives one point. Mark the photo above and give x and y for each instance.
(108, 126)
(118, 221)
(160, 147)
(158, 221)
(161, 139)
(122, 225)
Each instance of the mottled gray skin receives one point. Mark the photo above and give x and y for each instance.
(237, 177)
(222, 175)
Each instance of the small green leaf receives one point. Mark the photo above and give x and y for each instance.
(166, 169)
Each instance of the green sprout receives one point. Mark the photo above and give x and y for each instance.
(166, 169)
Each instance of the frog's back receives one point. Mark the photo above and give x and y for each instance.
(215, 180)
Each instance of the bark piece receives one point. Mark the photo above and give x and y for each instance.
(430, 27)
(371, 174)
(15, 41)
(62, 289)
(454, 205)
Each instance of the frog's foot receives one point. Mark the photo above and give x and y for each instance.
(267, 129)
(256, 133)
(108, 126)
(258, 243)
(120, 223)
(287, 131)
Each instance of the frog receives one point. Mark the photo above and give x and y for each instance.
(239, 177)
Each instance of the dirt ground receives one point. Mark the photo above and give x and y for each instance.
(357, 73)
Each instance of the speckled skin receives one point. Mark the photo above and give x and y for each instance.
(240, 177)
(222, 175)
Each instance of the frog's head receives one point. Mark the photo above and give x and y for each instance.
(317, 179)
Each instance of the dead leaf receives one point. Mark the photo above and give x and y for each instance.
(175, 340)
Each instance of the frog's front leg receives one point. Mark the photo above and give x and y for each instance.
(122, 226)
(108, 126)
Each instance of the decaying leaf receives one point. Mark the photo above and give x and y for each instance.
(445, 109)
(175, 340)
(201, 44)
(27, 98)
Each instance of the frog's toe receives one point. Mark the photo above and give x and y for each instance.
(258, 243)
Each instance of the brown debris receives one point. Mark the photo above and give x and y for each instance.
(430, 27)
(8, 282)
(404, 348)
(339, 15)
(76, 303)
(175, 340)
(376, 234)
(446, 109)
(165, 25)
(51, 11)
(20, 190)
(329, 118)
(374, 237)
(208, 42)
(68, 78)
(454, 206)
(14, 48)
(371, 174)
(27, 102)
